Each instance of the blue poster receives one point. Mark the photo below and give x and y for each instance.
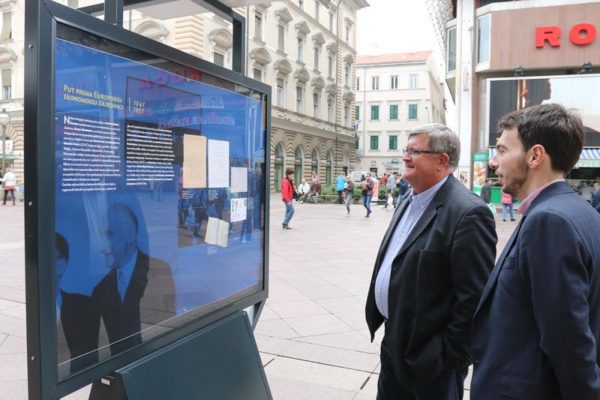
(159, 195)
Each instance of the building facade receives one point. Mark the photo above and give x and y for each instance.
(304, 49)
(394, 94)
(505, 55)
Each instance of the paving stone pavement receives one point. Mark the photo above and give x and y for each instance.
(311, 335)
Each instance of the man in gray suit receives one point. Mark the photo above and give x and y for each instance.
(431, 268)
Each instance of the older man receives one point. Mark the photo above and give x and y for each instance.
(536, 332)
(432, 265)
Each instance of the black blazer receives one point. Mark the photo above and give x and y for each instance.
(435, 285)
(536, 332)
(149, 300)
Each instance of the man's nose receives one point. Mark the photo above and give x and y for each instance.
(493, 163)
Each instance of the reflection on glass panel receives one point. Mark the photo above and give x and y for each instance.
(483, 39)
(451, 51)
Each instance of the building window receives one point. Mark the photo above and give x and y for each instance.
(330, 66)
(317, 51)
(300, 48)
(257, 74)
(281, 37)
(317, 10)
(346, 115)
(258, 19)
(413, 81)
(375, 83)
(357, 83)
(347, 74)
(348, 30)
(278, 167)
(298, 164)
(394, 82)
(6, 84)
(483, 39)
(219, 59)
(394, 111)
(280, 93)
(331, 22)
(301, 4)
(299, 99)
(330, 109)
(316, 101)
(451, 50)
(6, 26)
(357, 113)
(374, 113)
(412, 111)
(393, 142)
(374, 143)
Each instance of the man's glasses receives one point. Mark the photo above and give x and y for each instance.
(412, 152)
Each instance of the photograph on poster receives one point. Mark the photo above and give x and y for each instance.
(158, 198)
(578, 92)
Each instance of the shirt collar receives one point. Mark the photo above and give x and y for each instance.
(426, 196)
(529, 199)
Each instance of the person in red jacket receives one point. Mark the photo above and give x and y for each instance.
(287, 195)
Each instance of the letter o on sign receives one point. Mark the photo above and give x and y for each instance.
(582, 34)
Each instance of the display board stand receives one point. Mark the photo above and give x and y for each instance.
(218, 362)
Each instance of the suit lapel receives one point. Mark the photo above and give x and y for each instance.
(420, 226)
(491, 283)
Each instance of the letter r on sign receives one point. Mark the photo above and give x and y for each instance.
(550, 34)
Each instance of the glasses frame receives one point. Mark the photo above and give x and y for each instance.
(407, 151)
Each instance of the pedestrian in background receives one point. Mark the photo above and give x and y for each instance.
(348, 193)
(367, 193)
(339, 186)
(433, 263)
(403, 188)
(507, 206)
(303, 190)
(287, 195)
(10, 184)
(536, 331)
(391, 184)
(486, 192)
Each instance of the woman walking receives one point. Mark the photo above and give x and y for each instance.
(507, 205)
(287, 195)
(348, 191)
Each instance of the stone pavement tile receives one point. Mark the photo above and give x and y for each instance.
(354, 319)
(292, 273)
(315, 374)
(328, 269)
(275, 328)
(272, 345)
(267, 314)
(12, 367)
(469, 377)
(360, 290)
(291, 389)
(343, 305)
(81, 394)
(4, 304)
(13, 345)
(294, 309)
(346, 340)
(13, 390)
(307, 282)
(369, 390)
(317, 325)
(327, 355)
(12, 326)
(324, 292)
(344, 279)
(284, 293)
(18, 311)
(10, 293)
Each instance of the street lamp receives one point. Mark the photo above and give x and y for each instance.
(4, 121)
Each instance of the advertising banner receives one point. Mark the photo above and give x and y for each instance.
(159, 193)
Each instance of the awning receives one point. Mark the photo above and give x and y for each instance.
(589, 158)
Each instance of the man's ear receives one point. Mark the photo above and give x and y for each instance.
(536, 157)
(444, 160)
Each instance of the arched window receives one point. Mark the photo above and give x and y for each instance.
(328, 168)
(346, 163)
(314, 162)
(298, 164)
(278, 162)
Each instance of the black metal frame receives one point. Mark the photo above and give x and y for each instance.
(42, 17)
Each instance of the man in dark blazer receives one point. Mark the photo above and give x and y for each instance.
(536, 330)
(429, 274)
(138, 291)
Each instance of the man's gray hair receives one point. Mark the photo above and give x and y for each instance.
(441, 139)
